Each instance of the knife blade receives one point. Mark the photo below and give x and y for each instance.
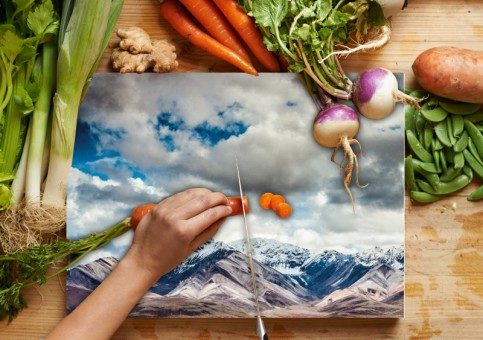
(260, 325)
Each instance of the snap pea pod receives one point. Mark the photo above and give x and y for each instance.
(468, 171)
(437, 161)
(474, 152)
(450, 174)
(476, 195)
(442, 160)
(410, 113)
(432, 178)
(441, 130)
(459, 108)
(417, 148)
(462, 142)
(458, 125)
(435, 115)
(427, 135)
(459, 160)
(444, 188)
(451, 137)
(475, 117)
(436, 144)
(475, 135)
(409, 176)
(473, 163)
(419, 123)
(424, 197)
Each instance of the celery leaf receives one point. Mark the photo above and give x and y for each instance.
(11, 45)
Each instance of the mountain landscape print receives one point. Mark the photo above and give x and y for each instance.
(141, 138)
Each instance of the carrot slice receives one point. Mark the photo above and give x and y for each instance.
(236, 203)
(247, 30)
(283, 210)
(265, 200)
(179, 19)
(275, 201)
(211, 18)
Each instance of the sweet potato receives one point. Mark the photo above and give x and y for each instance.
(451, 72)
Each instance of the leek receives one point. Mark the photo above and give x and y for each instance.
(85, 28)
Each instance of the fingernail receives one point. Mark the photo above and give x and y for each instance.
(229, 209)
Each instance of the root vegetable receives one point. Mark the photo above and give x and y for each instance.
(376, 93)
(335, 126)
(135, 40)
(179, 19)
(161, 59)
(451, 72)
(213, 20)
(265, 200)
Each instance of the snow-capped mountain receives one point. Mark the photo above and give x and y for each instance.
(284, 257)
(216, 281)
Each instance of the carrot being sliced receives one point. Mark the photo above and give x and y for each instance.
(247, 30)
(179, 19)
(211, 18)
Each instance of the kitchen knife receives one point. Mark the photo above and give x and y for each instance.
(260, 326)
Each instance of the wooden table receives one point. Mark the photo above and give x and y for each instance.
(444, 241)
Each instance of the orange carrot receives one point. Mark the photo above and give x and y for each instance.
(283, 210)
(211, 18)
(179, 19)
(247, 30)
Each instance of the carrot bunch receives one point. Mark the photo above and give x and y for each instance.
(269, 201)
(223, 27)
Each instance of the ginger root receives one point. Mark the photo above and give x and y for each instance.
(130, 55)
(135, 40)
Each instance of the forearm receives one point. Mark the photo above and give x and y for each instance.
(104, 310)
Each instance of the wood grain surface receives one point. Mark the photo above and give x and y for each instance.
(444, 240)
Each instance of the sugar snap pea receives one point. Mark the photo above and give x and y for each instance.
(442, 160)
(427, 135)
(444, 188)
(473, 163)
(431, 177)
(410, 117)
(476, 195)
(459, 160)
(468, 171)
(409, 176)
(459, 108)
(424, 197)
(474, 152)
(475, 117)
(441, 130)
(458, 124)
(435, 115)
(449, 123)
(417, 148)
(462, 142)
(450, 174)
(437, 161)
(419, 123)
(475, 135)
(436, 144)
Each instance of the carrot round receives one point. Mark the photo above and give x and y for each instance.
(211, 18)
(275, 201)
(139, 212)
(283, 210)
(265, 200)
(247, 30)
(179, 19)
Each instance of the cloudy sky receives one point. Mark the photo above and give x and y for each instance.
(141, 138)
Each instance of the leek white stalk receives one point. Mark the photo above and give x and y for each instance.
(85, 29)
(40, 122)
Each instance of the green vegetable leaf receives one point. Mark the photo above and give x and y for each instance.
(6, 197)
(269, 13)
(11, 45)
(24, 101)
(375, 14)
(43, 21)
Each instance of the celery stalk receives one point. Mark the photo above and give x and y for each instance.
(84, 26)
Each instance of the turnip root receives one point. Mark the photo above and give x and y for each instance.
(335, 126)
(376, 93)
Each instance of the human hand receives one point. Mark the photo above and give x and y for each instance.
(175, 227)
